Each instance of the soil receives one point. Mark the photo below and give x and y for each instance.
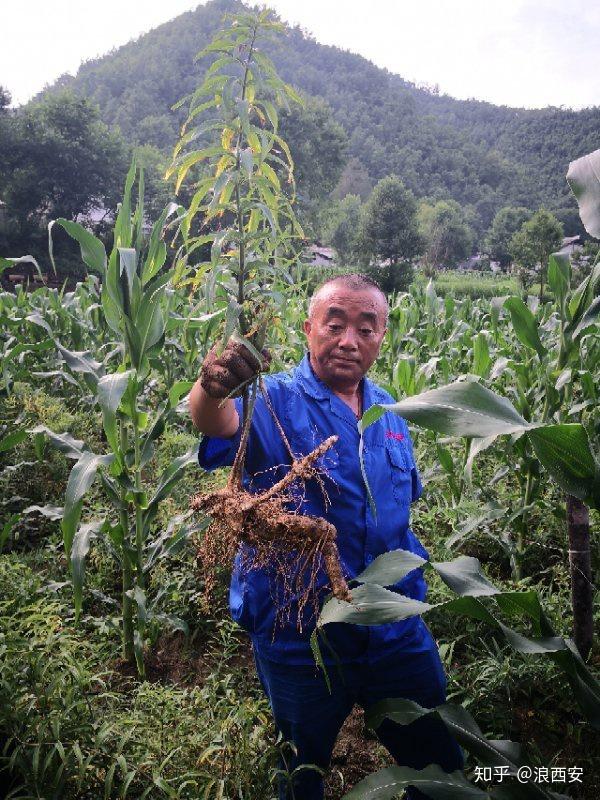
(357, 753)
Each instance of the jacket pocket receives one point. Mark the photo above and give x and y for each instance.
(400, 472)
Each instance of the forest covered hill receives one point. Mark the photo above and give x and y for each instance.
(481, 155)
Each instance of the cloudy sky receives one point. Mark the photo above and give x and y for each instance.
(529, 53)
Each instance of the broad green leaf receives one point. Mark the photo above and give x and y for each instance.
(458, 721)
(178, 389)
(524, 324)
(464, 576)
(93, 253)
(459, 409)
(12, 440)
(171, 476)
(5, 263)
(388, 783)
(583, 177)
(591, 317)
(559, 275)
(79, 551)
(371, 605)
(389, 568)
(111, 389)
(81, 361)
(72, 448)
(81, 477)
(565, 452)
(481, 356)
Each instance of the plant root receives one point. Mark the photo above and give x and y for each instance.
(296, 545)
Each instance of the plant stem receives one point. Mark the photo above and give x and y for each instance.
(578, 530)
(126, 571)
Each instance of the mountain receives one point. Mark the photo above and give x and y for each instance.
(482, 155)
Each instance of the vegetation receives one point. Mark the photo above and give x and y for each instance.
(389, 233)
(482, 156)
(97, 542)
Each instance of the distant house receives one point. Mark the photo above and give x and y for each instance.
(473, 262)
(317, 256)
(571, 245)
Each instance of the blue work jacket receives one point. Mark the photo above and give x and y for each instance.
(309, 412)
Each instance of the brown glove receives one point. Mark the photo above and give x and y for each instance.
(229, 374)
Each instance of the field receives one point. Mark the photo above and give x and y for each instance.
(78, 722)
(121, 672)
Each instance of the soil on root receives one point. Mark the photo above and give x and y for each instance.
(357, 753)
(291, 546)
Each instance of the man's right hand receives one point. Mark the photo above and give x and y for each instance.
(227, 375)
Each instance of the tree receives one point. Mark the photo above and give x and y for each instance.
(344, 228)
(532, 245)
(318, 146)
(504, 226)
(446, 232)
(58, 160)
(388, 232)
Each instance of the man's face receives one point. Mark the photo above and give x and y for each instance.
(344, 333)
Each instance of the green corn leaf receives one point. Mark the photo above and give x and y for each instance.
(389, 568)
(564, 450)
(111, 389)
(12, 440)
(524, 324)
(71, 447)
(79, 550)
(81, 478)
(559, 275)
(93, 253)
(583, 176)
(459, 409)
(481, 356)
(388, 783)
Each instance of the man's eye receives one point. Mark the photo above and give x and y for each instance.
(334, 328)
(366, 331)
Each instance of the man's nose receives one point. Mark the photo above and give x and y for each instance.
(349, 340)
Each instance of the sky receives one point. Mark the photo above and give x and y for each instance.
(526, 53)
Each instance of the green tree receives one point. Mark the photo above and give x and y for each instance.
(388, 227)
(58, 160)
(446, 232)
(318, 146)
(532, 245)
(504, 226)
(344, 228)
(389, 233)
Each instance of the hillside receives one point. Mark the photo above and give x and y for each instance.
(483, 156)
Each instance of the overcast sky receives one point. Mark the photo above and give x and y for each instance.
(529, 53)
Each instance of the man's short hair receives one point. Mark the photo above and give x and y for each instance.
(352, 280)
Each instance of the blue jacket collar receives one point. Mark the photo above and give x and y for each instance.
(315, 387)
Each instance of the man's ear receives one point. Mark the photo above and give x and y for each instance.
(306, 326)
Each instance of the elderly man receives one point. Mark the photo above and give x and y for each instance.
(324, 395)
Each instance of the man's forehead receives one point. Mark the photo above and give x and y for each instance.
(367, 298)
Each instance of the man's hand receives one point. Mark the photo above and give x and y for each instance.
(228, 374)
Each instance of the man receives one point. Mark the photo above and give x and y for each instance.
(325, 395)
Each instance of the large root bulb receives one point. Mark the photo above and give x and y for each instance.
(294, 543)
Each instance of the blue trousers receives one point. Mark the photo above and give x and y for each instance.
(307, 714)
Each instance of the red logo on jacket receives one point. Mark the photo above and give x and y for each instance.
(393, 435)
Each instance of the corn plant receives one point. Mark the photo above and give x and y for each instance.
(134, 309)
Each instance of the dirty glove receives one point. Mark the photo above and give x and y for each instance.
(229, 373)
